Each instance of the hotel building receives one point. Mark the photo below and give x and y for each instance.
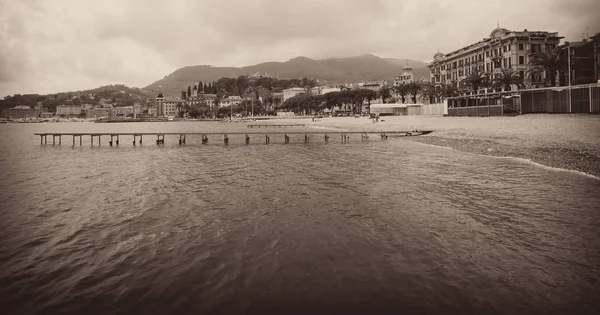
(168, 106)
(502, 49)
(406, 77)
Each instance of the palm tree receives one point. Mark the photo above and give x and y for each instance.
(507, 77)
(252, 93)
(384, 93)
(476, 80)
(449, 90)
(547, 62)
(401, 89)
(414, 88)
(430, 92)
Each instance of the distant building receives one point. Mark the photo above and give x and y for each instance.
(22, 111)
(232, 100)
(98, 112)
(289, 93)
(596, 40)
(373, 85)
(152, 112)
(68, 111)
(502, 49)
(405, 77)
(168, 106)
(121, 112)
(209, 99)
(582, 62)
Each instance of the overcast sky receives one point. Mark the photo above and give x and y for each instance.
(51, 46)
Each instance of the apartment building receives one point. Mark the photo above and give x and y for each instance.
(502, 49)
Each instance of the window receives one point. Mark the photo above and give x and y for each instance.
(535, 48)
(521, 47)
(487, 53)
(521, 60)
(505, 48)
(509, 46)
(509, 61)
(522, 75)
(549, 47)
(487, 67)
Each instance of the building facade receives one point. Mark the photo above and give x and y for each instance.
(291, 92)
(210, 99)
(596, 40)
(582, 62)
(98, 112)
(168, 106)
(68, 111)
(406, 76)
(502, 49)
(22, 111)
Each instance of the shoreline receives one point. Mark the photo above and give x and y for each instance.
(565, 142)
(571, 162)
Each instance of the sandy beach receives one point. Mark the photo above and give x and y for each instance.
(563, 141)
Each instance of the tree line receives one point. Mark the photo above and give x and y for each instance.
(260, 95)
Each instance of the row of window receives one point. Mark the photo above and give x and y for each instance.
(506, 63)
(496, 52)
(454, 76)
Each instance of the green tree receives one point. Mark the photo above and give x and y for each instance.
(414, 88)
(476, 80)
(385, 93)
(507, 77)
(548, 62)
(401, 90)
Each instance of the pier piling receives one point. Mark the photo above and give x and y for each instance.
(160, 137)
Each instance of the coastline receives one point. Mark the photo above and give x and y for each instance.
(568, 142)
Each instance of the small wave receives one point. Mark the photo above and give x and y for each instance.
(514, 158)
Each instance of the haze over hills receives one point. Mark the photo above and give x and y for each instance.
(331, 71)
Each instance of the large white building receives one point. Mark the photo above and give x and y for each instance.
(502, 49)
(405, 77)
(68, 110)
(168, 106)
(291, 92)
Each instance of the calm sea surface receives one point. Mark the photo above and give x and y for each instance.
(384, 227)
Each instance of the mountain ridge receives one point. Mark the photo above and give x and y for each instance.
(359, 68)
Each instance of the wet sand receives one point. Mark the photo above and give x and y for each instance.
(569, 142)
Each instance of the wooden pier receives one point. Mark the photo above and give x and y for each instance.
(274, 125)
(204, 136)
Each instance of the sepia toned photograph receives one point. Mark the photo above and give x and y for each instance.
(371, 157)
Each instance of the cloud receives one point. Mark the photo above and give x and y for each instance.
(58, 45)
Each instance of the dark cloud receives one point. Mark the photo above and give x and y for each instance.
(48, 46)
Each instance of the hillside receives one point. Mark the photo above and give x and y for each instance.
(120, 95)
(330, 71)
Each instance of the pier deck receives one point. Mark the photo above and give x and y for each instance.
(160, 136)
(274, 125)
